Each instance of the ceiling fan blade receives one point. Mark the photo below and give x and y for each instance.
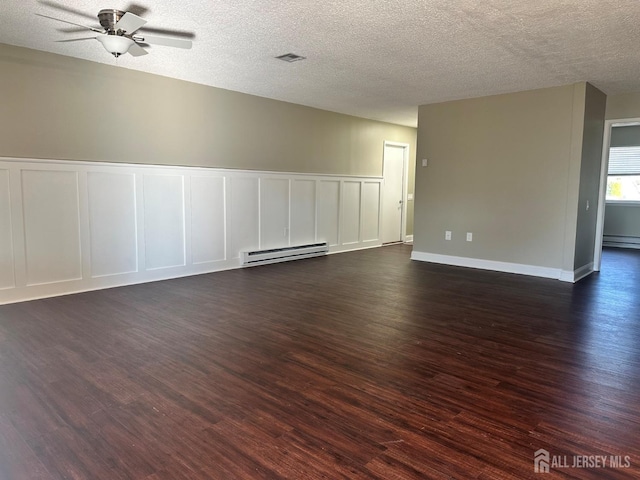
(73, 30)
(129, 23)
(166, 41)
(76, 39)
(137, 51)
(137, 9)
(166, 31)
(93, 29)
(64, 8)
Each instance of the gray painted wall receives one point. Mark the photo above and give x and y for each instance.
(508, 169)
(64, 108)
(595, 105)
(489, 173)
(623, 220)
(625, 136)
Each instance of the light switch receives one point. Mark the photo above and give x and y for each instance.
(424, 162)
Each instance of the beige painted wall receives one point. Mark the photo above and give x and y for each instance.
(573, 179)
(410, 206)
(623, 106)
(64, 108)
(501, 167)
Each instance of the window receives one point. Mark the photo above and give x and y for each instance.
(623, 179)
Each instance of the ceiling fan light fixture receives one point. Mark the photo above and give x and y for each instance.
(116, 45)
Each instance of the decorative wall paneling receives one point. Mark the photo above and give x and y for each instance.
(67, 226)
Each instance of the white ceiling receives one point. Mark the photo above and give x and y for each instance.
(374, 59)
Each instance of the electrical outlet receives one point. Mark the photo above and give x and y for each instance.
(447, 235)
(469, 237)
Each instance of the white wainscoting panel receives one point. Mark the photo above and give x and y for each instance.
(351, 207)
(329, 212)
(208, 229)
(303, 212)
(244, 215)
(51, 225)
(370, 211)
(112, 223)
(68, 227)
(274, 212)
(7, 279)
(164, 227)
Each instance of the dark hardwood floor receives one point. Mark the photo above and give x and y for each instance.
(362, 365)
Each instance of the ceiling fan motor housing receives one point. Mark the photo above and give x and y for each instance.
(108, 19)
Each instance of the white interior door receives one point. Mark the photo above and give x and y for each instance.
(393, 195)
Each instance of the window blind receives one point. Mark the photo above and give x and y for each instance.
(624, 161)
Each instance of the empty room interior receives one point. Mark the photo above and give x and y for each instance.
(296, 240)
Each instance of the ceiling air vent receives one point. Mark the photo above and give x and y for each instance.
(290, 57)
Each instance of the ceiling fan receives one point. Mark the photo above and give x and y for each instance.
(121, 31)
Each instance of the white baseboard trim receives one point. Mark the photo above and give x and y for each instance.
(578, 274)
(583, 271)
(58, 289)
(408, 239)
(521, 269)
(567, 276)
(341, 249)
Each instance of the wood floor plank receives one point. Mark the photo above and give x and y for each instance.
(17, 460)
(363, 365)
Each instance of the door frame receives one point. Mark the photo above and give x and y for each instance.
(604, 169)
(405, 182)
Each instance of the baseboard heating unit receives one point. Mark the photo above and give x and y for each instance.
(621, 241)
(284, 254)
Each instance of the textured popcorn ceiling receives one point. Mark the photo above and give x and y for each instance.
(374, 59)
